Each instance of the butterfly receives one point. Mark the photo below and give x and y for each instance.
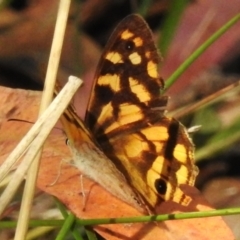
(126, 143)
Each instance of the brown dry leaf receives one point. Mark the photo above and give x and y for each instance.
(74, 191)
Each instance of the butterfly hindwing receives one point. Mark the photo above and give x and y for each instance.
(93, 163)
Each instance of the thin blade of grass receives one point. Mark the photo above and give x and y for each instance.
(64, 212)
(38, 232)
(199, 51)
(160, 218)
(68, 224)
(91, 234)
(125, 220)
(207, 101)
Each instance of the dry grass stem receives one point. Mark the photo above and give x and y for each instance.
(213, 98)
(49, 84)
(43, 129)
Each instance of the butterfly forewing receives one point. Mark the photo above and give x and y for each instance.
(127, 86)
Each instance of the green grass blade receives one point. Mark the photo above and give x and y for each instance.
(91, 234)
(163, 217)
(33, 223)
(68, 223)
(200, 50)
(75, 231)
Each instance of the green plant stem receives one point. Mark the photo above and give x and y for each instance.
(91, 234)
(68, 223)
(33, 223)
(200, 50)
(65, 214)
(159, 218)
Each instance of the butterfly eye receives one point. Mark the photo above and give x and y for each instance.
(129, 45)
(161, 186)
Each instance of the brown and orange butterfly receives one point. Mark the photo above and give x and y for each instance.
(126, 143)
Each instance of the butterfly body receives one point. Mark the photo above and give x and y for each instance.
(125, 121)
